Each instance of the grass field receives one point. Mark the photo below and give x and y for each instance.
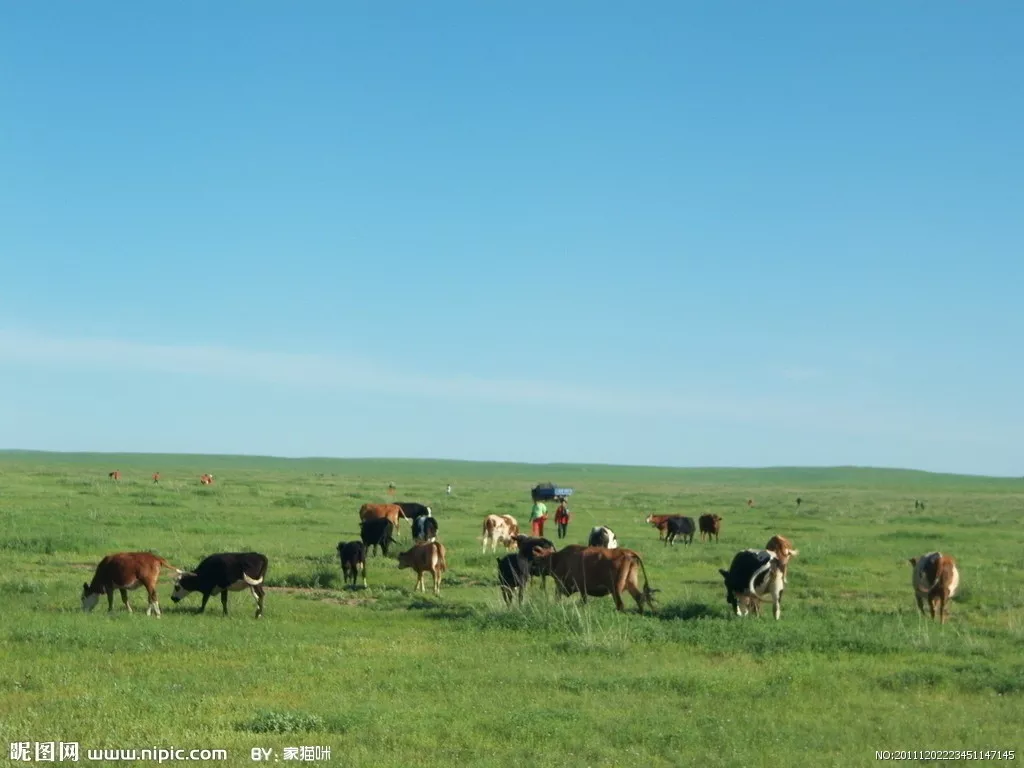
(388, 678)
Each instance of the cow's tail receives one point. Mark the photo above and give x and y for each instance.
(251, 581)
(442, 564)
(165, 564)
(648, 592)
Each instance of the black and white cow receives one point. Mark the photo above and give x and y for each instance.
(513, 573)
(352, 555)
(222, 573)
(753, 574)
(377, 533)
(601, 536)
(413, 509)
(680, 525)
(424, 528)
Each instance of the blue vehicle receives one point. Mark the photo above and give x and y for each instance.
(550, 492)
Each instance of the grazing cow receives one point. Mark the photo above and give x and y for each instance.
(391, 512)
(156, 477)
(753, 574)
(783, 549)
(596, 572)
(413, 509)
(710, 525)
(660, 522)
(936, 578)
(529, 547)
(206, 479)
(115, 475)
(750, 502)
(222, 573)
(799, 501)
(500, 529)
(123, 571)
(680, 525)
(600, 536)
(353, 559)
(377, 533)
(424, 528)
(422, 558)
(513, 575)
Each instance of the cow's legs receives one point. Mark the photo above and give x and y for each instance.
(224, 601)
(124, 599)
(110, 599)
(364, 575)
(920, 602)
(437, 581)
(154, 605)
(258, 590)
(206, 598)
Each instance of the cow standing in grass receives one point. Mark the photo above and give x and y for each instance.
(935, 579)
(753, 574)
(425, 558)
(222, 573)
(597, 572)
(352, 556)
(783, 549)
(679, 525)
(124, 571)
(710, 525)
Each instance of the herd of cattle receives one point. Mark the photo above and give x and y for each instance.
(598, 569)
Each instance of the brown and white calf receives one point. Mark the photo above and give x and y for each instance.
(783, 549)
(500, 529)
(124, 571)
(935, 578)
(425, 558)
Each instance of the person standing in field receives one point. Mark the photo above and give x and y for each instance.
(562, 518)
(538, 515)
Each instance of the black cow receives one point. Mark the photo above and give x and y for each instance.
(680, 525)
(424, 528)
(513, 573)
(222, 573)
(753, 574)
(413, 509)
(526, 545)
(377, 532)
(353, 558)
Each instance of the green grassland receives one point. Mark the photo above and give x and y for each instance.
(386, 677)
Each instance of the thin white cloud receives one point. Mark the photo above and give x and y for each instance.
(324, 372)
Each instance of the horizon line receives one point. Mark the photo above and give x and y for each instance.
(609, 465)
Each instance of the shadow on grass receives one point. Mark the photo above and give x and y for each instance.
(687, 612)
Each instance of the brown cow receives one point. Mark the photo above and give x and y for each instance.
(156, 477)
(422, 558)
(206, 479)
(660, 522)
(596, 572)
(392, 512)
(123, 571)
(710, 525)
(937, 578)
(115, 475)
(783, 548)
(500, 529)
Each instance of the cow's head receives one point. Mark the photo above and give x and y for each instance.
(183, 585)
(405, 559)
(730, 595)
(913, 561)
(89, 598)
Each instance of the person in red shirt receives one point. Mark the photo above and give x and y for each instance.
(562, 518)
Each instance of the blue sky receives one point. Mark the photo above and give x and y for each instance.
(686, 234)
